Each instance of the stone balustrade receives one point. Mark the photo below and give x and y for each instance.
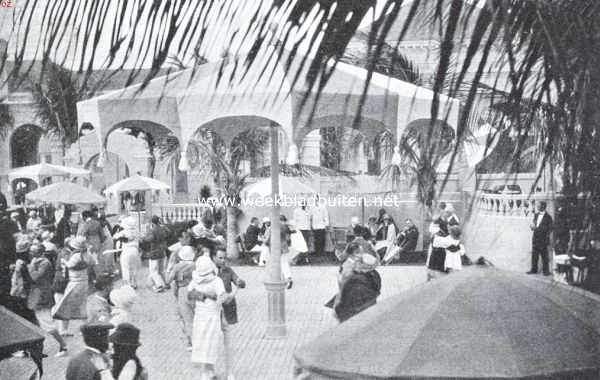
(180, 212)
(516, 205)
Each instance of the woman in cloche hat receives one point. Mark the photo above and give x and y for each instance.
(73, 305)
(126, 364)
(209, 291)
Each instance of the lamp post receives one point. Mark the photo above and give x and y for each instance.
(275, 285)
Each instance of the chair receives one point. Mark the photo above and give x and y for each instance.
(244, 252)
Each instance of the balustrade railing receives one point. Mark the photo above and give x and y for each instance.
(180, 212)
(517, 205)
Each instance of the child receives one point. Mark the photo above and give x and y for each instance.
(454, 250)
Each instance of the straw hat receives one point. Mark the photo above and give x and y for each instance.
(204, 266)
(78, 243)
(186, 253)
(123, 297)
(23, 245)
(46, 235)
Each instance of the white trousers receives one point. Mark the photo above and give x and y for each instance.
(130, 263)
(286, 271)
(155, 272)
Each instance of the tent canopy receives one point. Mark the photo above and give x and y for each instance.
(219, 91)
(476, 324)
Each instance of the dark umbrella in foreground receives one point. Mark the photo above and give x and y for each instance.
(476, 324)
(17, 334)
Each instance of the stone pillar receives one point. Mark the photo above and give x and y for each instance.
(275, 285)
(311, 149)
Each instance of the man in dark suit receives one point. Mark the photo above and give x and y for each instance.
(541, 227)
(93, 360)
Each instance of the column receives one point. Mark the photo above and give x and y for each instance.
(275, 285)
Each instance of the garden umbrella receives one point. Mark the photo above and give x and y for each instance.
(136, 183)
(65, 192)
(476, 324)
(20, 335)
(38, 171)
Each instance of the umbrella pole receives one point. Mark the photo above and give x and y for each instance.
(275, 285)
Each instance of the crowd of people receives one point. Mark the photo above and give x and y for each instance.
(57, 273)
(309, 234)
(54, 273)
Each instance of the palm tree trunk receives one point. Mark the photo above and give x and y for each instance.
(232, 233)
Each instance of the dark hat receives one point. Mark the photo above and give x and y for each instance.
(103, 281)
(96, 329)
(126, 334)
(155, 219)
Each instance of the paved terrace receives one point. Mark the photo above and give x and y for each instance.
(256, 357)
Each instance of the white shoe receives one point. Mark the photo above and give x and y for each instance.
(19, 354)
(61, 353)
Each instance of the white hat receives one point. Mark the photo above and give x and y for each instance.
(32, 213)
(123, 297)
(266, 220)
(198, 229)
(204, 266)
(186, 253)
(46, 235)
(78, 243)
(355, 220)
(366, 263)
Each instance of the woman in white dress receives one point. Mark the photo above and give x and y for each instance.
(130, 255)
(208, 290)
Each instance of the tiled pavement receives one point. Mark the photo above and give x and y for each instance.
(255, 357)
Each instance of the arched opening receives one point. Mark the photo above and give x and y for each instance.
(438, 141)
(425, 153)
(115, 169)
(329, 142)
(222, 148)
(24, 145)
(149, 149)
